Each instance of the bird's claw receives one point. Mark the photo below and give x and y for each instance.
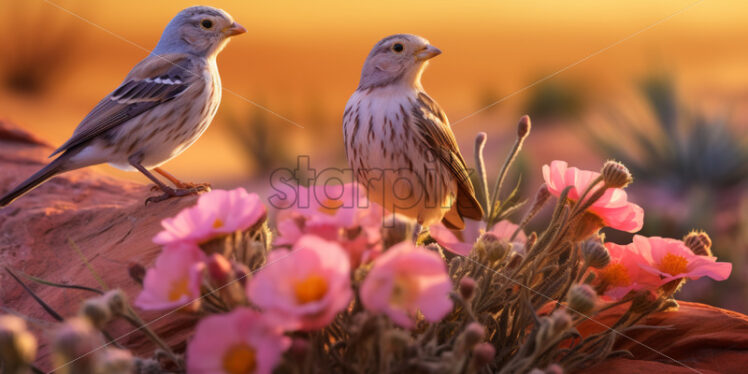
(179, 192)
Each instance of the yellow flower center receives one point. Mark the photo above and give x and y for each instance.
(217, 223)
(330, 206)
(615, 275)
(179, 288)
(673, 264)
(240, 359)
(403, 291)
(312, 288)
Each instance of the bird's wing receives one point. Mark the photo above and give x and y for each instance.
(433, 129)
(153, 81)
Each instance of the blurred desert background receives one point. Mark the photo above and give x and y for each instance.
(662, 86)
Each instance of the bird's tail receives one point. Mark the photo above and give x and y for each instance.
(53, 168)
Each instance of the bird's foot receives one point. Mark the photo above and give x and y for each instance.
(178, 192)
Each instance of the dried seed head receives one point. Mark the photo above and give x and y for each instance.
(699, 242)
(495, 248)
(396, 229)
(17, 344)
(483, 354)
(71, 344)
(615, 174)
(116, 300)
(116, 361)
(467, 288)
(561, 321)
(147, 366)
(595, 254)
(524, 126)
(474, 333)
(581, 298)
(97, 311)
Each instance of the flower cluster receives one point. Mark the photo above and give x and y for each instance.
(347, 287)
(305, 283)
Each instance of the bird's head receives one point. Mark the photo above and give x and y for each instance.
(198, 30)
(397, 59)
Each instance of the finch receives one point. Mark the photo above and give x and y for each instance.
(399, 142)
(163, 106)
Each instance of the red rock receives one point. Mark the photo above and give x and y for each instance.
(693, 338)
(104, 217)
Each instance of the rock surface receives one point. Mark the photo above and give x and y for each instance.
(106, 219)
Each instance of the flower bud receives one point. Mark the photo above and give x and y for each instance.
(495, 248)
(72, 345)
(96, 311)
(615, 174)
(581, 298)
(595, 254)
(115, 361)
(467, 288)
(116, 300)
(561, 321)
(474, 333)
(147, 366)
(241, 273)
(17, 345)
(483, 354)
(524, 126)
(699, 243)
(219, 269)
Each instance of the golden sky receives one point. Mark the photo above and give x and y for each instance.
(302, 60)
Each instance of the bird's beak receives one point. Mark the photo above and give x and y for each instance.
(234, 29)
(428, 52)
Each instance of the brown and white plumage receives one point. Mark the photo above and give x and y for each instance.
(161, 108)
(398, 140)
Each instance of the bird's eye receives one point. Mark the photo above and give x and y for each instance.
(206, 23)
(397, 47)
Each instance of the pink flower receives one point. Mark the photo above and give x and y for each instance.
(174, 280)
(339, 213)
(305, 287)
(624, 274)
(405, 280)
(670, 259)
(242, 341)
(218, 212)
(612, 209)
(461, 242)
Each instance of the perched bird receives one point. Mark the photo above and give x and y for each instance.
(163, 106)
(399, 142)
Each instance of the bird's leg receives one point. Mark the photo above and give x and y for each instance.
(168, 191)
(180, 184)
